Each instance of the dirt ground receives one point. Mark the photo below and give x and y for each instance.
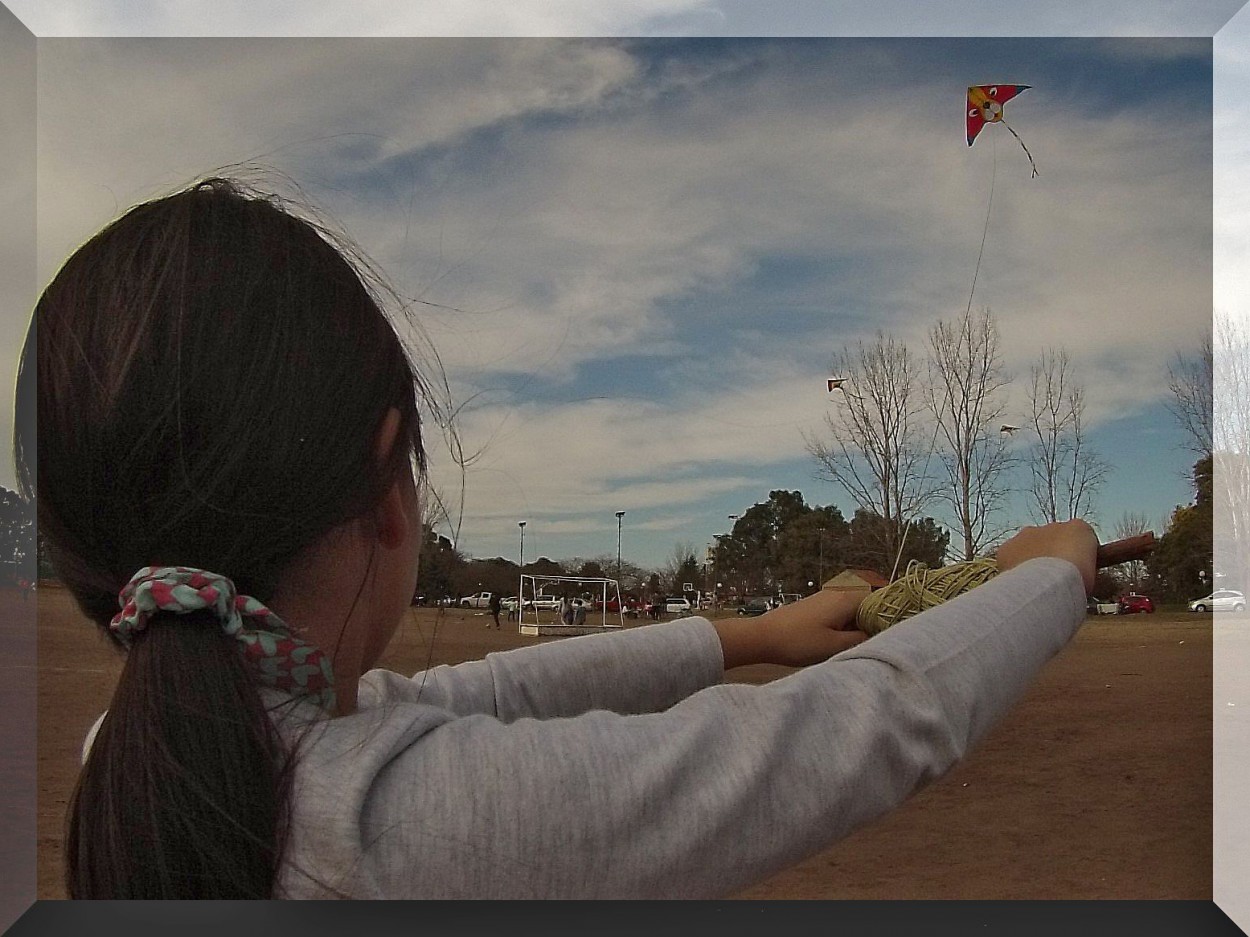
(1098, 785)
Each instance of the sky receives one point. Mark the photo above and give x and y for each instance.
(636, 258)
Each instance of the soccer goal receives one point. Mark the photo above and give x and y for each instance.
(540, 599)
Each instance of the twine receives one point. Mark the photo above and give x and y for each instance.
(920, 588)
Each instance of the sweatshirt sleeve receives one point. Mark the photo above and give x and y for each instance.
(637, 670)
(727, 786)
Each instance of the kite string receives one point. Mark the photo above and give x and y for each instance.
(986, 229)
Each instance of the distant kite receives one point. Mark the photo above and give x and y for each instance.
(985, 106)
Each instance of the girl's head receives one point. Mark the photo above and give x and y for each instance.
(212, 376)
(216, 387)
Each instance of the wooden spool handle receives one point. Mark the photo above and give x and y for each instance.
(1131, 548)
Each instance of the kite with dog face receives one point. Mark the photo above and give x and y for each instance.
(985, 105)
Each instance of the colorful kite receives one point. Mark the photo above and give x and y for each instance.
(985, 106)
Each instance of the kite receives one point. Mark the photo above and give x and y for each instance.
(985, 106)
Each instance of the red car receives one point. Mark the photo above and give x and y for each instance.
(1131, 604)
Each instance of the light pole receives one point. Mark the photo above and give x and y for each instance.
(821, 577)
(520, 592)
(619, 515)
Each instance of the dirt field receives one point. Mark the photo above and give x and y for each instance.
(1097, 786)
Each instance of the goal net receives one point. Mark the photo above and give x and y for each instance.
(541, 598)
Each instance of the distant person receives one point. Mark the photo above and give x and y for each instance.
(579, 614)
(224, 365)
(566, 612)
(496, 605)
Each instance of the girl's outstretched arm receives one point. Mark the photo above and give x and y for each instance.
(715, 792)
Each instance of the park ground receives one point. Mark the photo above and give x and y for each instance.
(1097, 785)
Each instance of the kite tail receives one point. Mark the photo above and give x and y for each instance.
(1025, 148)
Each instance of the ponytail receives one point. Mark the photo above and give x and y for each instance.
(186, 788)
(206, 371)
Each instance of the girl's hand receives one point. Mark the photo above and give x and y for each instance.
(804, 632)
(1073, 540)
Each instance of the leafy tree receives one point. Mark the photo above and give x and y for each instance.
(800, 558)
(1186, 547)
(871, 547)
(749, 553)
(688, 572)
(440, 567)
(544, 567)
(592, 568)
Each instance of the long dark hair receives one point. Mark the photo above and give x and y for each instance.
(209, 374)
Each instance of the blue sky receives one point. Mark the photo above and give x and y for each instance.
(651, 249)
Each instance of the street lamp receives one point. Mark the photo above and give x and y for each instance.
(619, 515)
(521, 562)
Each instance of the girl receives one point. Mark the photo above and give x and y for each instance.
(229, 460)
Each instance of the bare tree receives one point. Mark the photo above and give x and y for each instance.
(1231, 442)
(874, 449)
(1066, 471)
(966, 394)
(1131, 524)
(1191, 381)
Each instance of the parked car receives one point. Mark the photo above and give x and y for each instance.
(677, 605)
(544, 603)
(511, 602)
(1133, 603)
(477, 600)
(1221, 600)
(755, 607)
(1102, 607)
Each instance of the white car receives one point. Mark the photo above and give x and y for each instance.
(1100, 607)
(545, 603)
(1221, 600)
(677, 605)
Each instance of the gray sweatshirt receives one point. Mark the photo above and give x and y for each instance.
(619, 765)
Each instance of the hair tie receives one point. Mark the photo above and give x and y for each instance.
(278, 658)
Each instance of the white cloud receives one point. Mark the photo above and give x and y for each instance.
(575, 208)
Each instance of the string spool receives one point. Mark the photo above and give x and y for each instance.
(920, 587)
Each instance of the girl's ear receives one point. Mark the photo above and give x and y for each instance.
(391, 518)
(387, 432)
